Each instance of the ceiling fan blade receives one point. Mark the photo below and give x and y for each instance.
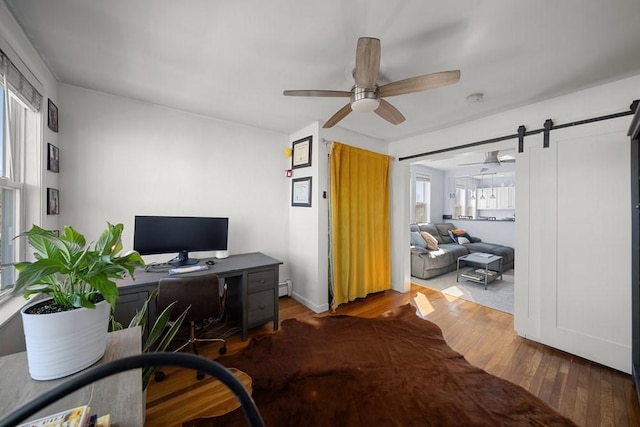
(367, 62)
(389, 113)
(341, 114)
(471, 164)
(419, 83)
(326, 93)
(507, 161)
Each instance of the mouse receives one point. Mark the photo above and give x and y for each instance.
(210, 262)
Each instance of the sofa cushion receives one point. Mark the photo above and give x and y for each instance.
(431, 229)
(438, 259)
(443, 231)
(455, 250)
(417, 240)
(432, 242)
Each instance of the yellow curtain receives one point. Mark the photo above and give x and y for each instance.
(360, 229)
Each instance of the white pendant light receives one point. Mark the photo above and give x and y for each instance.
(493, 196)
(482, 185)
(473, 192)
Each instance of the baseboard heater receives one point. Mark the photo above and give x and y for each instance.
(285, 288)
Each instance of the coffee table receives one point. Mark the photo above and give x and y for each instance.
(490, 268)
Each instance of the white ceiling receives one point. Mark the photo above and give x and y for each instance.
(232, 59)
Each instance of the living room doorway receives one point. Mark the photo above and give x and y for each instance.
(473, 191)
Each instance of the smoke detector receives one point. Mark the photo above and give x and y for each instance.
(475, 97)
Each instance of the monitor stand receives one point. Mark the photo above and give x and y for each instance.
(183, 259)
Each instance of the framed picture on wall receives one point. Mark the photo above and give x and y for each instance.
(53, 116)
(53, 158)
(301, 192)
(301, 157)
(53, 201)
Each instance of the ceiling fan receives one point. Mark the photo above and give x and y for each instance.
(491, 160)
(366, 95)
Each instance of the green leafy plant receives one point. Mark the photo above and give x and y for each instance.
(73, 272)
(161, 334)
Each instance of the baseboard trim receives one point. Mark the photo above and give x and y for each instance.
(309, 304)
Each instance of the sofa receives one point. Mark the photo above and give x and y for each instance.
(440, 252)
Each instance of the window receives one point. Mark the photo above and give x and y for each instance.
(20, 122)
(422, 204)
(464, 198)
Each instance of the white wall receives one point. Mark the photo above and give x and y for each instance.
(305, 236)
(598, 101)
(309, 227)
(123, 158)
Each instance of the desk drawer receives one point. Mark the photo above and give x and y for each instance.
(261, 281)
(260, 307)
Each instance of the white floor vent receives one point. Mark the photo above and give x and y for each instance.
(285, 288)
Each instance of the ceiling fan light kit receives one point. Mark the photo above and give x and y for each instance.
(367, 96)
(364, 100)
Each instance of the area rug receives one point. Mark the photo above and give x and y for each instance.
(393, 370)
(498, 295)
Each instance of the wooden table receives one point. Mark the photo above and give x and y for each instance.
(120, 394)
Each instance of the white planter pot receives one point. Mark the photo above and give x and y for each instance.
(61, 344)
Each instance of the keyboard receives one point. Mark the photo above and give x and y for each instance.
(190, 269)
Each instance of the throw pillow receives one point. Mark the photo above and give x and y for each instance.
(417, 240)
(458, 232)
(432, 243)
(456, 237)
(462, 240)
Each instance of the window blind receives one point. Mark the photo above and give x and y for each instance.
(18, 83)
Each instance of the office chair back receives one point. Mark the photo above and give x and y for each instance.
(201, 293)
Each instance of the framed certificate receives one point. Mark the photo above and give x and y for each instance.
(301, 192)
(301, 157)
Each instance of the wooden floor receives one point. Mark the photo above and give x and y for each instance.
(588, 393)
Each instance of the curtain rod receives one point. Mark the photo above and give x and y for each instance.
(522, 132)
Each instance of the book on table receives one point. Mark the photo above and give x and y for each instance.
(74, 417)
(472, 275)
(478, 274)
(488, 272)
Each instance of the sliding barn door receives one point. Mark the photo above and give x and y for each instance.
(574, 241)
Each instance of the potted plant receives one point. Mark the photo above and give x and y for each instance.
(67, 332)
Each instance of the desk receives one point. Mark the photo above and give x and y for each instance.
(120, 394)
(252, 290)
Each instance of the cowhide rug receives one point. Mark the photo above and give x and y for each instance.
(394, 370)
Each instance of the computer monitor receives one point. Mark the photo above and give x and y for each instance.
(181, 234)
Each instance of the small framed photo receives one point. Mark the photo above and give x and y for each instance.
(301, 157)
(53, 158)
(53, 201)
(53, 116)
(301, 192)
